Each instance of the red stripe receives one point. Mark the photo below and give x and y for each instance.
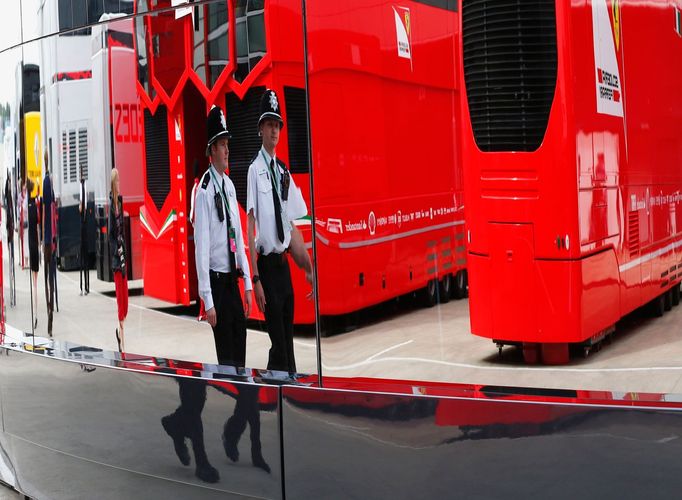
(72, 75)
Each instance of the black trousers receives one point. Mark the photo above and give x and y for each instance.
(274, 273)
(84, 272)
(187, 418)
(246, 410)
(229, 332)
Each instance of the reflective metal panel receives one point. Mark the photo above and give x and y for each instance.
(401, 446)
(46, 17)
(20, 127)
(129, 92)
(74, 428)
(389, 211)
(10, 34)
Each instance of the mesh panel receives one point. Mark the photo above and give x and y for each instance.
(242, 122)
(297, 129)
(510, 68)
(156, 155)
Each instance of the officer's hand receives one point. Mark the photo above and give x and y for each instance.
(309, 279)
(211, 317)
(260, 296)
(247, 303)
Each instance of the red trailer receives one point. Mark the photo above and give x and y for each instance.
(573, 163)
(384, 118)
(383, 228)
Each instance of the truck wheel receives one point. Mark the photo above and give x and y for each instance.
(446, 288)
(459, 291)
(668, 300)
(658, 306)
(430, 293)
(676, 295)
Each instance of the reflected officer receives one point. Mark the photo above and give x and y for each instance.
(220, 255)
(273, 202)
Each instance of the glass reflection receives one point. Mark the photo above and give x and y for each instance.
(388, 190)
(17, 292)
(250, 35)
(46, 17)
(10, 34)
(133, 93)
(211, 43)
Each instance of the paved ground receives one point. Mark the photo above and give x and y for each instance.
(416, 344)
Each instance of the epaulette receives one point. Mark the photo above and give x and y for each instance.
(255, 157)
(206, 180)
(281, 164)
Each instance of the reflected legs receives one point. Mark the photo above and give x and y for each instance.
(186, 422)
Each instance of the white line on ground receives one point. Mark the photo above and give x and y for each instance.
(500, 368)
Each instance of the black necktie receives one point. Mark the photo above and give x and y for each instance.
(275, 202)
(230, 253)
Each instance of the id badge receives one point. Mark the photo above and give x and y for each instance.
(233, 240)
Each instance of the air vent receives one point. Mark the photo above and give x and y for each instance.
(82, 154)
(242, 122)
(297, 129)
(633, 233)
(510, 69)
(65, 157)
(72, 156)
(156, 155)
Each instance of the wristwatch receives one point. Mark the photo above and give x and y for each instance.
(255, 279)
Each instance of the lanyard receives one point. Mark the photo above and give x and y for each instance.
(222, 193)
(274, 176)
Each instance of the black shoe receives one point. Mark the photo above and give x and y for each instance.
(230, 449)
(259, 462)
(207, 473)
(118, 340)
(178, 440)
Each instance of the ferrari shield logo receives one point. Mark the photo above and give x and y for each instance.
(615, 7)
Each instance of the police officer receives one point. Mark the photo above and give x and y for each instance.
(219, 248)
(273, 202)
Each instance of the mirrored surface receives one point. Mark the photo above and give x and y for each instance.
(19, 110)
(389, 217)
(133, 93)
(46, 17)
(10, 34)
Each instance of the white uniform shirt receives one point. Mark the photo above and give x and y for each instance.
(259, 200)
(210, 235)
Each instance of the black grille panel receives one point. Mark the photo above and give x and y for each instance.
(242, 122)
(297, 128)
(510, 68)
(156, 155)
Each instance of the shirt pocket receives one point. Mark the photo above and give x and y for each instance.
(264, 183)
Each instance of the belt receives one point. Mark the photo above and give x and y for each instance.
(224, 276)
(261, 252)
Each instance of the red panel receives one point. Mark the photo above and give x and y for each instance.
(601, 192)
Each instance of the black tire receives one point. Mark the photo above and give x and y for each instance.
(430, 293)
(668, 300)
(658, 306)
(446, 285)
(459, 290)
(676, 295)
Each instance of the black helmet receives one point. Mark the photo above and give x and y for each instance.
(269, 107)
(216, 127)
